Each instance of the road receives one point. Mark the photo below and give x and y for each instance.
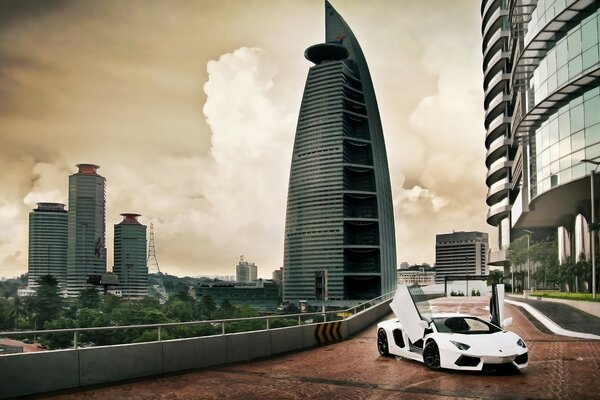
(559, 368)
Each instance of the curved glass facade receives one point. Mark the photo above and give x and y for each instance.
(339, 211)
(570, 131)
(552, 113)
(571, 134)
(571, 57)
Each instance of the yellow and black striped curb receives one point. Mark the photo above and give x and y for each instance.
(328, 333)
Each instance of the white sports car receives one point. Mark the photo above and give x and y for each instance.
(452, 341)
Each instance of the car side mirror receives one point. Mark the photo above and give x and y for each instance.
(423, 324)
(507, 322)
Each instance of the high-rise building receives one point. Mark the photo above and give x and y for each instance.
(460, 254)
(246, 271)
(86, 250)
(48, 243)
(541, 68)
(130, 256)
(339, 210)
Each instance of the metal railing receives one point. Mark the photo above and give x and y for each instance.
(218, 326)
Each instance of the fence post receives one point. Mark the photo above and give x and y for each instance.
(267, 323)
(159, 333)
(75, 340)
(222, 327)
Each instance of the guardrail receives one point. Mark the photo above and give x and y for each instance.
(221, 324)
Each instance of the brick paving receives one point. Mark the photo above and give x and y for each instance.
(559, 368)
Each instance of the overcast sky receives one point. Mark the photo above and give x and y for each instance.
(190, 108)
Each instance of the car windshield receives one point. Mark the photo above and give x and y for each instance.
(466, 325)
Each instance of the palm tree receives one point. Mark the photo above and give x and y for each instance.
(14, 310)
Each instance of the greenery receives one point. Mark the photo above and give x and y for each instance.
(48, 310)
(8, 288)
(541, 259)
(566, 296)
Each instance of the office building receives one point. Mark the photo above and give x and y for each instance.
(460, 254)
(48, 243)
(130, 257)
(542, 118)
(246, 271)
(421, 275)
(339, 209)
(86, 249)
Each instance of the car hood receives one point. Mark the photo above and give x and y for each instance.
(487, 343)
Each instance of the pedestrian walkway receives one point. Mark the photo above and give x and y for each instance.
(560, 318)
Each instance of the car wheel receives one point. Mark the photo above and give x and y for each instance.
(431, 355)
(382, 343)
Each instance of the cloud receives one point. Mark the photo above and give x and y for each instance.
(418, 200)
(251, 149)
(48, 184)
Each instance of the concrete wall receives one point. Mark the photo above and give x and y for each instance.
(30, 373)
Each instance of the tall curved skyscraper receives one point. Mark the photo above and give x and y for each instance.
(339, 213)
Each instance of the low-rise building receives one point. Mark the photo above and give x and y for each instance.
(262, 295)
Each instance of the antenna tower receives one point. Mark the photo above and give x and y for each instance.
(152, 261)
(153, 268)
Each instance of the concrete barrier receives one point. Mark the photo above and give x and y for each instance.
(30, 373)
(120, 362)
(184, 354)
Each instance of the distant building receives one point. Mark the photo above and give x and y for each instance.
(278, 279)
(130, 256)
(262, 295)
(420, 274)
(86, 249)
(245, 271)
(460, 254)
(48, 243)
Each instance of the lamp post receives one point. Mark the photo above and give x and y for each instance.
(592, 221)
(529, 233)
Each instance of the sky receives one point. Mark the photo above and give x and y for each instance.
(190, 108)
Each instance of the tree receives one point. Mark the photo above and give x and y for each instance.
(5, 319)
(110, 302)
(14, 310)
(89, 298)
(207, 306)
(47, 304)
(495, 277)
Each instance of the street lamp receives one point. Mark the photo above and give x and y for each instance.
(592, 221)
(529, 233)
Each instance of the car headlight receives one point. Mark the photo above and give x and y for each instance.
(521, 343)
(460, 346)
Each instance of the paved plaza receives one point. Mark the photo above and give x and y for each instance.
(559, 368)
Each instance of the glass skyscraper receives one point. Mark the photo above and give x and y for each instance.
(86, 250)
(339, 211)
(541, 68)
(130, 256)
(48, 243)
